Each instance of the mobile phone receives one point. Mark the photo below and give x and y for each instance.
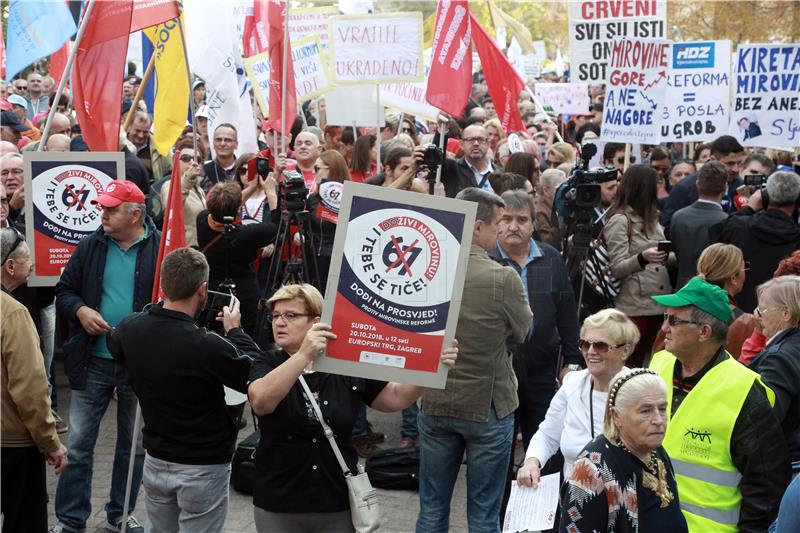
(230, 303)
(217, 300)
(665, 246)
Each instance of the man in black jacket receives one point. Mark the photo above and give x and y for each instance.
(179, 377)
(473, 169)
(109, 276)
(765, 236)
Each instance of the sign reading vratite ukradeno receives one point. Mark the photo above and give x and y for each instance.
(395, 283)
(61, 187)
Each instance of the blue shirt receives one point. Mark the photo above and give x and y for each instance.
(116, 300)
(522, 270)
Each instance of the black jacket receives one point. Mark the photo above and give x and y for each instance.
(765, 238)
(178, 377)
(685, 194)
(779, 366)
(456, 176)
(81, 284)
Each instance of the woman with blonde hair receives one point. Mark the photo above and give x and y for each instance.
(495, 133)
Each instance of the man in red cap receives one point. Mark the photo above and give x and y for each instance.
(109, 276)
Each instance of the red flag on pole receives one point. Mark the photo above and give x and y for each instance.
(277, 22)
(450, 77)
(173, 235)
(97, 74)
(255, 37)
(58, 62)
(152, 12)
(502, 79)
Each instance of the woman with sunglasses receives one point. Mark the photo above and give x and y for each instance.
(575, 415)
(194, 198)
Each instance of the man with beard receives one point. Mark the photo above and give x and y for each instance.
(473, 169)
(222, 167)
(179, 377)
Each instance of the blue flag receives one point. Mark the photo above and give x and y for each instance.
(36, 28)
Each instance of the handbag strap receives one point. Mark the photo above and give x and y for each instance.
(325, 427)
(210, 243)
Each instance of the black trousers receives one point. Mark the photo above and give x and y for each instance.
(24, 490)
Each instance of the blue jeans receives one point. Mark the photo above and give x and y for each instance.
(789, 515)
(360, 426)
(86, 410)
(442, 442)
(409, 426)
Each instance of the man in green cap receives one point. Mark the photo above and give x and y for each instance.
(730, 458)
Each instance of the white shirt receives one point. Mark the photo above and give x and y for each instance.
(568, 422)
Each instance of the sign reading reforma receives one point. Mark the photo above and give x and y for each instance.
(766, 107)
(593, 24)
(636, 89)
(62, 186)
(696, 108)
(379, 48)
(395, 284)
(257, 68)
(308, 22)
(567, 98)
(311, 76)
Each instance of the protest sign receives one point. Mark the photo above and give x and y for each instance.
(593, 24)
(395, 283)
(635, 91)
(61, 187)
(409, 97)
(340, 110)
(765, 109)
(311, 77)
(312, 21)
(696, 108)
(376, 48)
(257, 68)
(566, 98)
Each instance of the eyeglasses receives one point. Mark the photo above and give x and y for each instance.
(599, 346)
(761, 312)
(224, 140)
(12, 171)
(621, 160)
(18, 238)
(288, 316)
(673, 320)
(475, 140)
(188, 158)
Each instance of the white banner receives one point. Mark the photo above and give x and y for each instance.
(312, 21)
(636, 90)
(566, 98)
(593, 24)
(311, 75)
(766, 106)
(340, 110)
(376, 48)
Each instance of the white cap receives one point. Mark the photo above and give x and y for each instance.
(202, 111)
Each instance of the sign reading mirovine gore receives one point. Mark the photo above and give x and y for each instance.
(395, 284)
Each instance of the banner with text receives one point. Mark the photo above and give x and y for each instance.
(409, 98)
(257, 68)
(635, 91)
(593, 24)
(766, 101)
(61, 187)
(395, 283)
(380, 48)
(697, 106)
(311, 76)
(311, 21)
(566, 98)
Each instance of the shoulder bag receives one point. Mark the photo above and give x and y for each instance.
(363, 498)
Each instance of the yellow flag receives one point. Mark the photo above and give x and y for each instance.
(515, 28)
(171, 86)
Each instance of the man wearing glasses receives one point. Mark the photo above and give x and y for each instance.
(727, 448)
(12, 177)
(223, 166)
(473, 169)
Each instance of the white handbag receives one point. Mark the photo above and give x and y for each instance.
(363, 497)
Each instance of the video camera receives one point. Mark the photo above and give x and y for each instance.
(581, 192)
(292, 188)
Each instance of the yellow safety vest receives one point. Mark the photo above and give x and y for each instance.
(698, 442)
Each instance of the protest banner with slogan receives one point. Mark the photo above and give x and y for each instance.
(408, 98)
(766, 107)
(566, 98)
(635, 91)
(395, 283)
(311, 21)
(257, 68)
(311, 76)
(379, 48)
(593, 24)
(61, 187)
(697, 107)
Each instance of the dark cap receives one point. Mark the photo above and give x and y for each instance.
(8, 118)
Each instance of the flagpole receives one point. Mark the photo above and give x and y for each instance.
(140, 92)
(538, 103)
(284, 70)
(65, 75)
(189, 77)
(378, 132)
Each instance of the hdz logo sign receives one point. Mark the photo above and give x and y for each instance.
(693, 55)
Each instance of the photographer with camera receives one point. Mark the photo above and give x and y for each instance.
(231, 248)
(399, 171)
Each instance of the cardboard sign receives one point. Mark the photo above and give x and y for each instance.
(308, 22)
(257, 68)
(697, 107)
(61, 187)
(593, 24)
(376, 48)
(766, 106)
(409, 97)
(395, 284)
(566, 98)
(311, 75)
(636, 91)
(341, 111)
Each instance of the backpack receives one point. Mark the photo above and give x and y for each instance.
(394, 469)
(243, 465)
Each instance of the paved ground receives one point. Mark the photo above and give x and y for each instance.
(399, 508)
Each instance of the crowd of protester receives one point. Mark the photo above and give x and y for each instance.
(666, 394)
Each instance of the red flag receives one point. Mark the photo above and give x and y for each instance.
(151, 12)
(255, 37)
(450, 77)
(173, 235)
(502, 79)
(97, 74)
(58, 62)
(277, 20)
